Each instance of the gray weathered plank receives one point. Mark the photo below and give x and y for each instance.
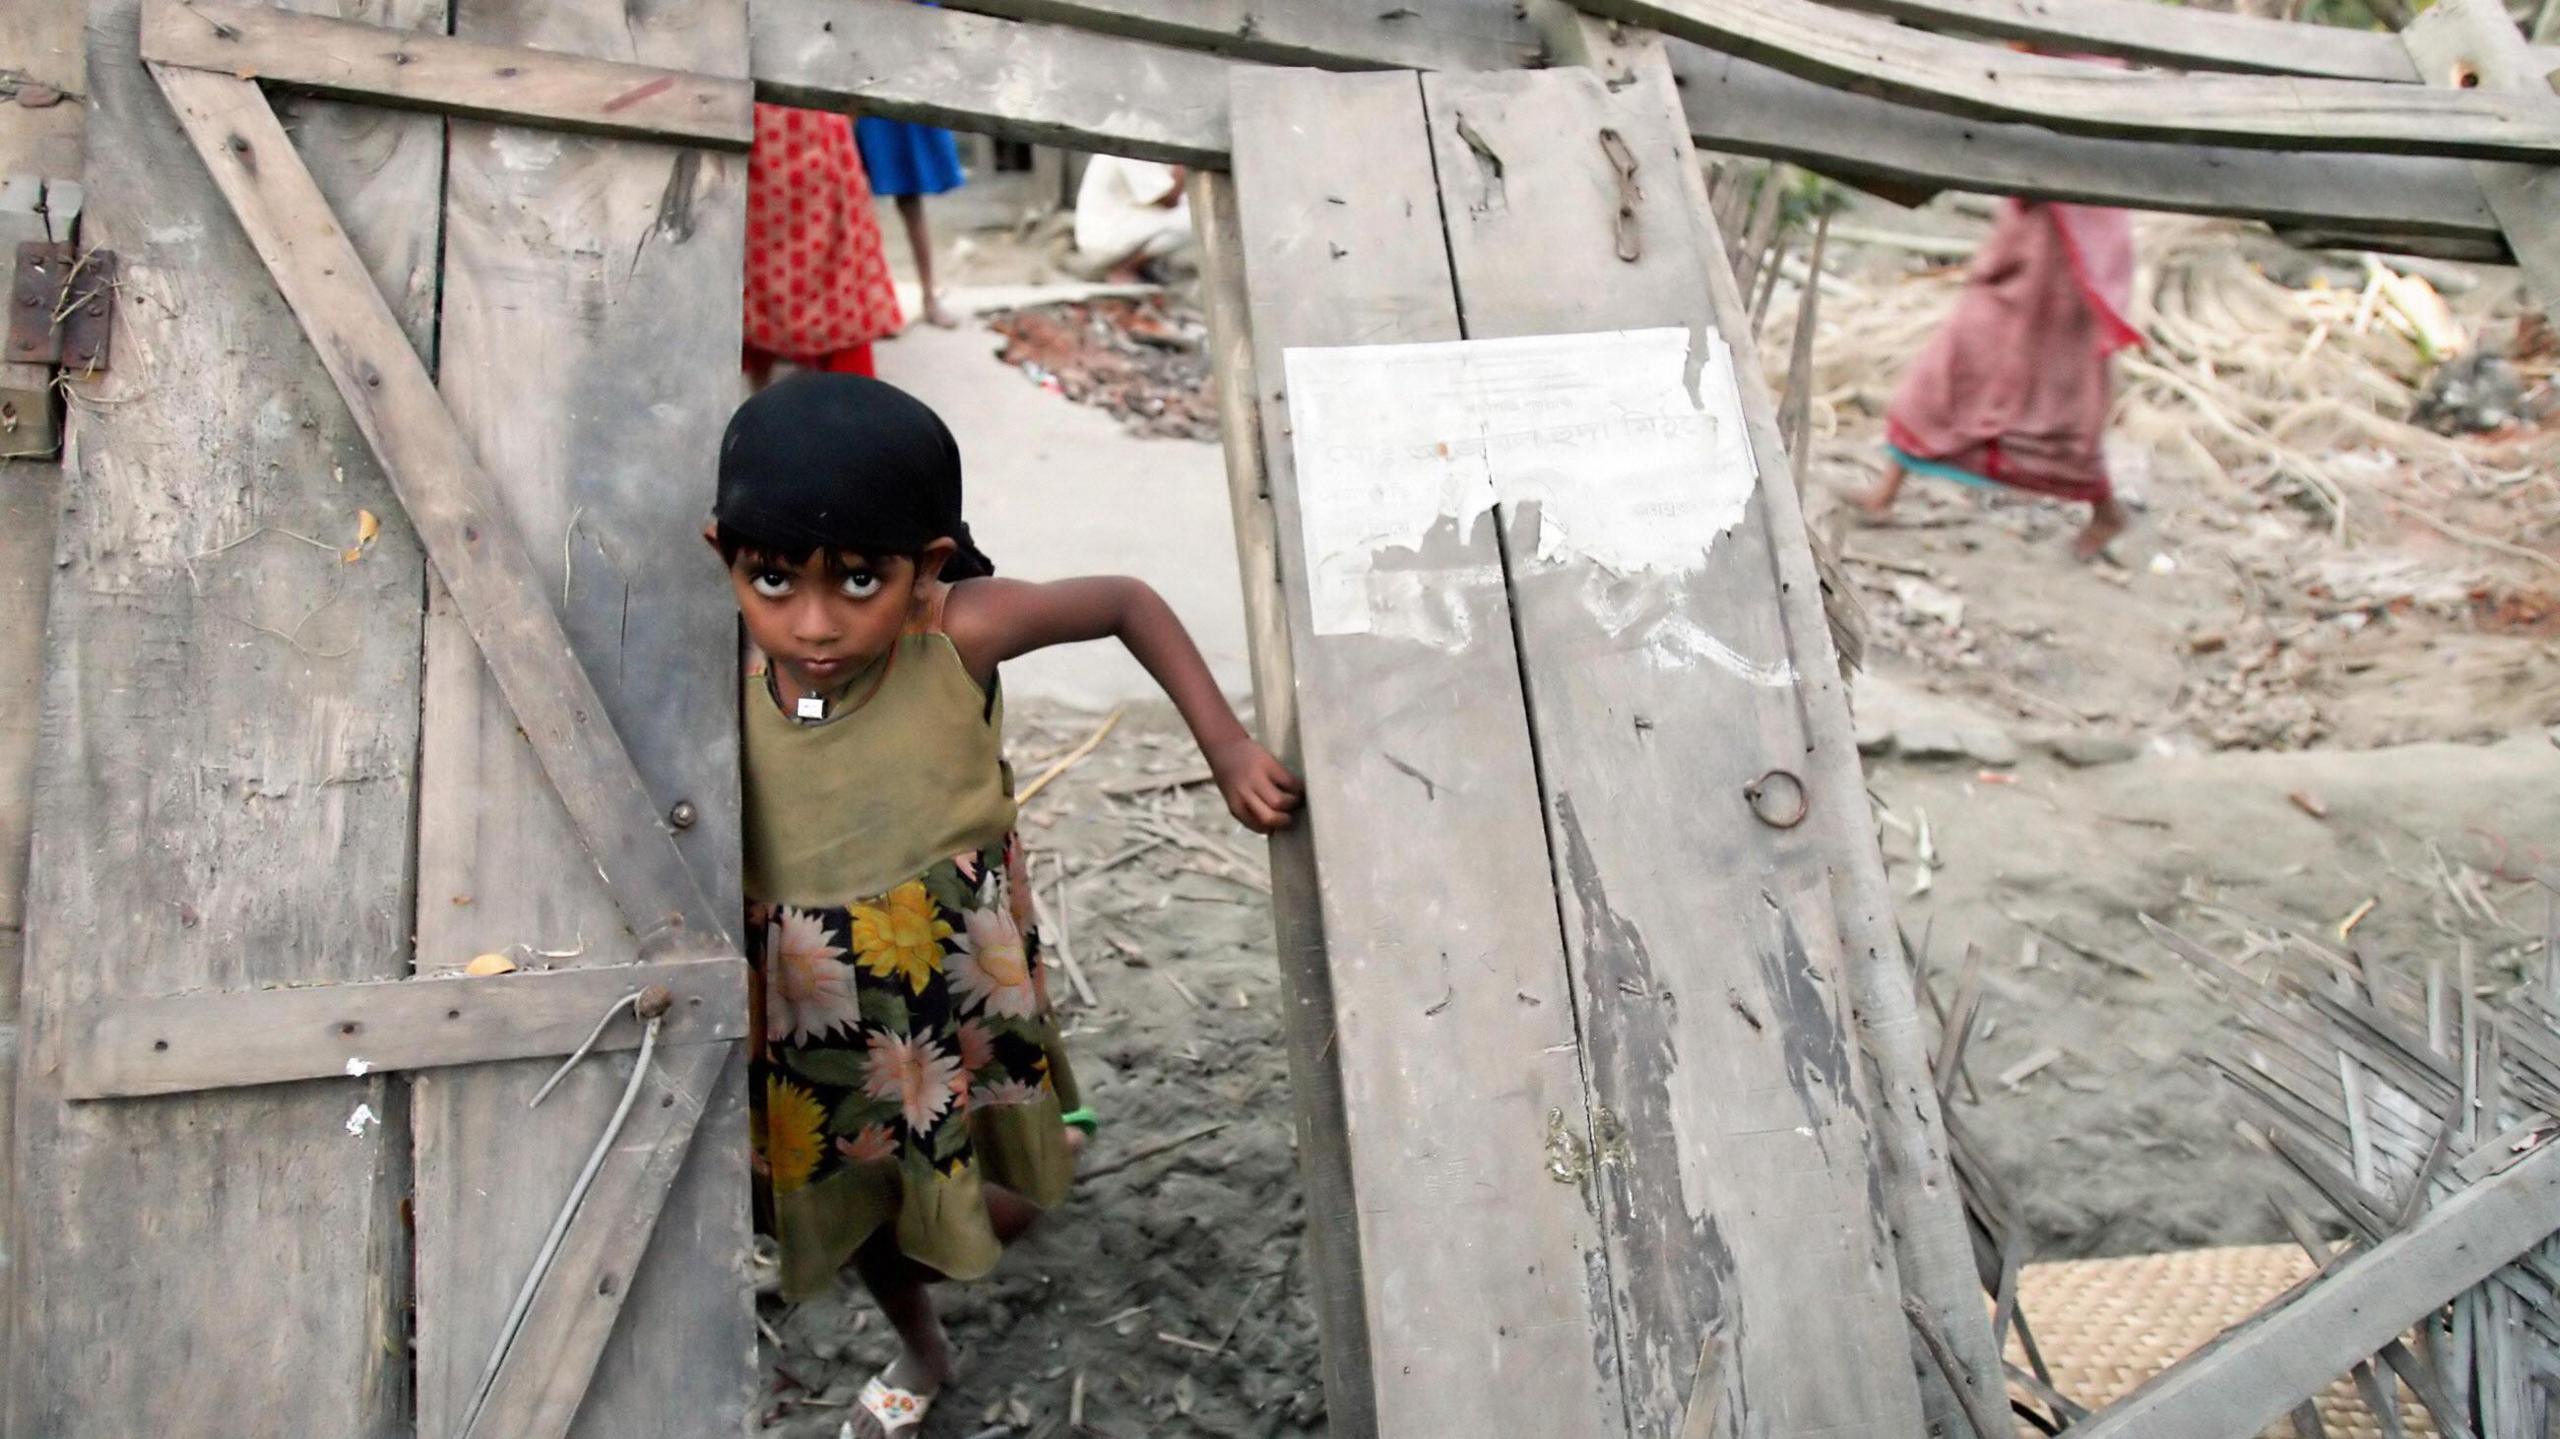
(1743, 107)
(1709, 985)
(1306, 978)
(29, 491)
(2255, 1373)
(1043, 84)
(1808, 38)
(223, 799)
(1965, 78)
(178, 1043)
(1748, 108)
(2463, 43)
(590, 328)
(380, 66)
(41, 43)
(1921, 1198)
(2183, 38)
(451, 502)
(1326, 34)
(1486, 1293)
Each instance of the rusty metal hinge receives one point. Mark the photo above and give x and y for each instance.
(61, 307)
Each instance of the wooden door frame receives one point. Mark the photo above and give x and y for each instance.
(207, 60)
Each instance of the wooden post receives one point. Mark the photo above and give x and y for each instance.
(590, 330)
(1306, 981)
(2472, 44)
(224, 798)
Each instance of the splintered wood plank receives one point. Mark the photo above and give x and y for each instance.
(1808, 38)
(1709, 986)
(433, 72)
(1042, 84)
(1487, 1299)
(1306, 976)
(2466, 44)
(1921, 1200)
(177, 1043)
(590, 331)
(223, 798)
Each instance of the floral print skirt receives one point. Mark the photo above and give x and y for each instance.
(904, 1057)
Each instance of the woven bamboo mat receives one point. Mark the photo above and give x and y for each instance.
(2105, 1325)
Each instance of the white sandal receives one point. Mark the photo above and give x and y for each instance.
(898, 1410)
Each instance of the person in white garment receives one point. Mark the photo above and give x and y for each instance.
(1129, 213)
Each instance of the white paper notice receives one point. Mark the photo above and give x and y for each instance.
(1634, 466)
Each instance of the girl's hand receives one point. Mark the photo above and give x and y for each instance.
(1260, 791)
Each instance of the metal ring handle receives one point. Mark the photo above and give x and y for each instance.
(1763, 795)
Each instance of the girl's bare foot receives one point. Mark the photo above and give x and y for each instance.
(1876, 502)
(2106, 521)
(938, 317)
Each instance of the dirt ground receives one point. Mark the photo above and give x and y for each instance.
(2241, 724)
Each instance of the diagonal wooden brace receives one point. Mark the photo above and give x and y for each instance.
(473, 545)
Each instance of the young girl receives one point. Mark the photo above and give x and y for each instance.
(914, 1111)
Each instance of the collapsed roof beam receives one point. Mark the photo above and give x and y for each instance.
(2179, 37)
(1741, 107)
(1962, 77)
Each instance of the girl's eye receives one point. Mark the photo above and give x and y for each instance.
(862, 584)
(772, 584)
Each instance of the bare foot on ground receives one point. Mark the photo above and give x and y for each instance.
(2106, 521)
(1875, 503)
(937, 316)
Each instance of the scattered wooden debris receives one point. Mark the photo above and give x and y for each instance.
(1073, 757)
(1146, 1152)
(2026, 1068)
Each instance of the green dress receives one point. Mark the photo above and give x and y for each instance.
(904, 1050)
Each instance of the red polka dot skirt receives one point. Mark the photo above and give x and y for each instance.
(817, 276)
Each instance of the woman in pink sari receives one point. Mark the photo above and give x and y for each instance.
(2015, 389)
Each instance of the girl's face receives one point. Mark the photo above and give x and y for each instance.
(819, 622)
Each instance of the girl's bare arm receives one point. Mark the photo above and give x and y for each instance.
(994, 620)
